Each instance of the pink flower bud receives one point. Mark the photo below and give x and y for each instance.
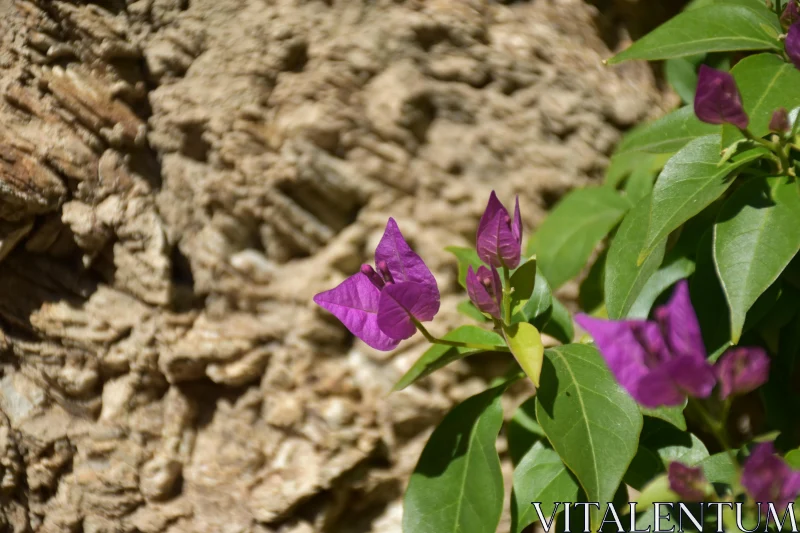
(717, 100)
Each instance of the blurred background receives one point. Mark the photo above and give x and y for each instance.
(178, 178)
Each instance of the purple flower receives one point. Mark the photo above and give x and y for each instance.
(768, 479)
(779, 123)
(380, 306)
(717, 100)
(499, 238)
(659, 362)
(790, 14)
(687, 482)
(742, 370)
(793, 44)
(485, 290)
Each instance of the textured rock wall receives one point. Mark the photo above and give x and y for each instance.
(178, 178)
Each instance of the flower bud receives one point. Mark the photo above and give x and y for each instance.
(485, 290)
(791, 14)
(717, 100)
(499, 237)
(780, 121)
(792, 44)
(687, 482)
(742, 370)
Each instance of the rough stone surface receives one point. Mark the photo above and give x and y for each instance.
(178, 178)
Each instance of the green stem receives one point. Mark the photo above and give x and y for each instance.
(498, 325)
(458, 344)
(775, 147)
(506, 295)
(717, 428)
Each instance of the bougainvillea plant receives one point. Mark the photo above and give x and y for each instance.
(685, 386)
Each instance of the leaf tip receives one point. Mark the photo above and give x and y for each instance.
(400, 385)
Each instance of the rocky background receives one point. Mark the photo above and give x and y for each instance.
(179, 177)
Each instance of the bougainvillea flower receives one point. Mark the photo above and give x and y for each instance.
(742, 370)
(790, 15)
(499, 238)
(717, 100)
(687, 482)
(768, 479)
(779, 123)
(793, 44)
(659, 362)
(379, 306)
(485, 290)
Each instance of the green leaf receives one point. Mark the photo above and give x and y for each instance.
(656, 491)
(758, 5)
(690, 181)
(457, 485)
(466, 257)
(570, 233)
(438, 356)
(708, 298)
(523, 431)
(468, 309)
(672, 415)
(590, 295)
(714, 28)
(662, 443)
(526, 345)
(661, 280)
(672, 444)
(639, 184)
(645, 466)
(523, 281)
(624, 277)
(681, 74)
(559, 325)
(621, 165)
(591, 422)
(766, 83)
(540, 477)
(667, 134)
(793, 458)
(754, 239)
(538, 307)
(719, 468)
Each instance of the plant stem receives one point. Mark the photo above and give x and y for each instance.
(458, 344)
(717, 427)
(506, 295)
(775, 147)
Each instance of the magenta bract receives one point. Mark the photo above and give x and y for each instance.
(768, 479)
(790, 15)
(380, 306)
(485, 290)
(659, 362)
(742, 370)
(499, 238)
(687, 482)
(793, 44)
(779, 123)
(717, 100)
